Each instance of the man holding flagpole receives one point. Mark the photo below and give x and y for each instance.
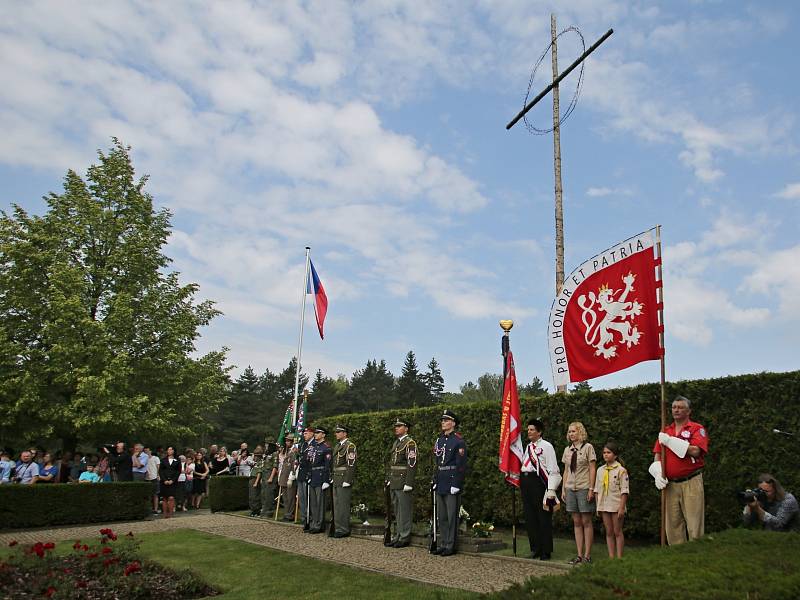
(539, 480)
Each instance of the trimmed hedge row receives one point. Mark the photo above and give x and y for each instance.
(40, 505)
(738, 412)
(228, 493)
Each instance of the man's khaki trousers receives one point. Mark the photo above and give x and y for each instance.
(685, 510)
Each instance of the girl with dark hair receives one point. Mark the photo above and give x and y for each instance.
(612, 489)
(201, 472)
(48, 472)
(169, 470)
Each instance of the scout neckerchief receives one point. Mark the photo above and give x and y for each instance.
(532, 459)
(573, 463)
(612, 467)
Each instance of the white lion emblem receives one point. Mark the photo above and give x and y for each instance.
(618, 317)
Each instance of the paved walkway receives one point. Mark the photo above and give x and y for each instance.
(474, 572)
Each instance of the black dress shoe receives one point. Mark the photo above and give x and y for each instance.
(448, 552)
(315, 530)
(389, 544)
(341, 535)
(437, 552)
(544, 557)
(399, 544)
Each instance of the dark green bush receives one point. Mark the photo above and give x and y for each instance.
(41, 505)
(739, 413)
(227, 493)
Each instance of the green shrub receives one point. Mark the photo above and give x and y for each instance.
(227, 493)
(739, 413)
(40, 505)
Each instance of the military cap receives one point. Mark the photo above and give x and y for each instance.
(538, 423)
(321, 430)
(270, 439)
(309, 428)
(342, 428)
(402, 423)
(449, 415)
(289, 436)
(258, 450)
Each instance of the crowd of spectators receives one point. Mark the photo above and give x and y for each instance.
(179, 480)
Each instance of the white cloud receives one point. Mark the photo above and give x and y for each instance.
(601, 192)
(790, 191)
(778, 274)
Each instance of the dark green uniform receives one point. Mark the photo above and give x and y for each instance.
(400, 475)
(269, 484)
(253, 488)
(344, 471)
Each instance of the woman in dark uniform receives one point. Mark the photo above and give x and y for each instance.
(169, 471)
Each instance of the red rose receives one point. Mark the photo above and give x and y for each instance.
(38, 549)
(80, 584)
(107, 550)
(132, 568)
(13, 543)
(49, 546)
(50, 591)
(92, 555)
(84, 547)
(76, 545)
(113, 536)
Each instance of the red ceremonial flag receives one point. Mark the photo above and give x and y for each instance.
(320, 299)
(606, 317)
(510, 427)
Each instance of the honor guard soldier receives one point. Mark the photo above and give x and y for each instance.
(321, 457)
(344, 473)
(400, 481)
(450, 453)
(304, 452)
(268, 478)
(253, 486)
(287, 457)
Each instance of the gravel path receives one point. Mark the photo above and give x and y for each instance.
(472, 572)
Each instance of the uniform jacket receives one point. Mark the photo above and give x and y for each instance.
(450, 452)
(270, 463)
(344, 463)
(303, 460)
(402, 467)
(258, 465)
(321, 457)
(285, 467)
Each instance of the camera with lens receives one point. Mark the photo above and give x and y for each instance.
(748, 495)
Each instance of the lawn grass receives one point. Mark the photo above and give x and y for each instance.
(737, 563)
(246, 571)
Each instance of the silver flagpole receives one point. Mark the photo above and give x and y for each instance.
(300, 341)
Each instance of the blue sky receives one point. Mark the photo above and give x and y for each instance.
(375, 133)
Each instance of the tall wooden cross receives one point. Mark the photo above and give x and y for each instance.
(557, 140)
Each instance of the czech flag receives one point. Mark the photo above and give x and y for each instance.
(320, 299)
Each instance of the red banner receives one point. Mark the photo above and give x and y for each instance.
(510, 427)
(607, 316)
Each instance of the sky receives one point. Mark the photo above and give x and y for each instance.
(374, 132)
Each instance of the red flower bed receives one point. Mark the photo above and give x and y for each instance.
(103, 570)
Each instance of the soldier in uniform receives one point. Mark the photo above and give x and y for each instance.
(304, 473)
(344, 472)
(253, 487)
(450, 453)
(402, 469)
(320, 456)
(286, 477)
(269, 478)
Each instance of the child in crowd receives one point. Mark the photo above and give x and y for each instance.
(612, 489)
(89, 476)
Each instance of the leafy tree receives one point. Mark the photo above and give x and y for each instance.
(411, 389)
(534, 388)
(434, 381)
(96, 335)
(489, 387)
(582, 386)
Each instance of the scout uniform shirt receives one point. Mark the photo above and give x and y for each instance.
(451, 462)
(270, 462)
(683, 468)
(285, 465)
(402, 463)
(611, 483)
(579, 479)
(344, 463)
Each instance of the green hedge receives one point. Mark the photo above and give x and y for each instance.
(739, 413)
(227, 493)
(41, 505)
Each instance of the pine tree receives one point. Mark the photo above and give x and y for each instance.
(433, 380)
(534, 388)
(410, 389)
(582, 386)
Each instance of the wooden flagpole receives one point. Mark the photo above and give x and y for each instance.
(660, 270)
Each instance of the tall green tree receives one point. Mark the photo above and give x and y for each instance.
(371, 388)
(243, 416)
(534, 388)
(411, 389)
(582, 386)
(434, 381)
(97, 336)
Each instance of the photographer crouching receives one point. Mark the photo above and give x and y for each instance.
(770, 505)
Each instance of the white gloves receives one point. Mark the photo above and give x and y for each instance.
(326, 485)
(655, 471)
(433, 487)
(677, 445)
(407, 488)
(292, 477)
(345, 484)
(454, 490)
